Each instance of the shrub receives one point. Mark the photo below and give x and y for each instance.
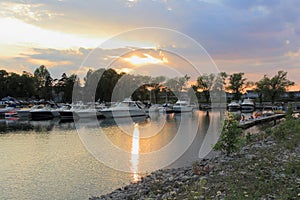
(230, 139)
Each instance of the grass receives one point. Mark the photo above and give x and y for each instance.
(273, 172)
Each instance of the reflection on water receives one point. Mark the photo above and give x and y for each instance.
(135, 153)
(57, 166)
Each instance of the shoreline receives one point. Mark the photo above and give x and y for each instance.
(257, 170)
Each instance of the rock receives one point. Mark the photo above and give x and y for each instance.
(171, 178)
(250, 156)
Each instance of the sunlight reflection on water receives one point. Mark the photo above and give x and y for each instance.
(135, 153)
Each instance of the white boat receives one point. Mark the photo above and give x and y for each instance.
(166, 108)
(234, 106)
(87, 111)
(126, 108)
(4, 108)
(247, 105)
(182, 106)
(42, 112)
(152, 108)
(269, 110)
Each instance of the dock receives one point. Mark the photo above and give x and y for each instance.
(252, 122)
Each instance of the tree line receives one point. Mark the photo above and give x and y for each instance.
(110, 83)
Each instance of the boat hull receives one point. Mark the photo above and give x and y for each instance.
(24, 114)
(122, 113)
(44, 115)
(247, 108)
(181, 109)
(66, 114)
(88, 114)
(234, 108)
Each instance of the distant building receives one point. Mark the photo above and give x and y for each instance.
(229, 95)
(292, 94)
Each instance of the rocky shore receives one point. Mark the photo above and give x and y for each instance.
(264, 168)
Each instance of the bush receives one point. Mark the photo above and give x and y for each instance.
(230, 139)
(289, 113)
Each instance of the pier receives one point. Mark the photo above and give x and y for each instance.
(252, 122)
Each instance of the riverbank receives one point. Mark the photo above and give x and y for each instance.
(266, 167)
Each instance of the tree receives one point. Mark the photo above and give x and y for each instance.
(237, 84)
(3, 83)
(274, 87)
(177, 84)
(205, 84)
(27, 85)
(43, 82)
(64, 86)
(261, 88)
(107, 84)
(210, 82)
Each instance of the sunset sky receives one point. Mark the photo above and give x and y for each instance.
(252, 36)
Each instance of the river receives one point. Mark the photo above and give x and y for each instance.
(54, 160)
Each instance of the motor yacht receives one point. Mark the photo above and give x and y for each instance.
(126, 108)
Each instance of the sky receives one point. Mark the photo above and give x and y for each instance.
(256, 37)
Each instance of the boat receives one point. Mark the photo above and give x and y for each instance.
(269, 110)
(12, 115)
(166, 108)
(152, 108)
(182, 106)
(126, 108)
(87, 111)
(247, 105)
(42, 112)
(5, 108)
(24, 113)
(234, 106)
(66, 112)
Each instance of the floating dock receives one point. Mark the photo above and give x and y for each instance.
(252, 122)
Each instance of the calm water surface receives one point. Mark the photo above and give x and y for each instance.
(51, 162)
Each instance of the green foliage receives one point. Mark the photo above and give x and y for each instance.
(289, 113)
(237, 84)
(287, 130)
(12, 84)
(230, 139)
(177, 84)
(208, 82)
(273, 88)
(43, 83)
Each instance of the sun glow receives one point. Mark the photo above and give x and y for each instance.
(34, 36)
(146, 59)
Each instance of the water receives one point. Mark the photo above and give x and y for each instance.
(51, 162)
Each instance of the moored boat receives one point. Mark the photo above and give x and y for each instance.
(247, 105)
(234, 106)
(42, 112)
(12, 115)
(86, 111)
(24, 113)
(4, 108)
(166, 108)
(126, 108)
(182, 106)
(66, 112)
